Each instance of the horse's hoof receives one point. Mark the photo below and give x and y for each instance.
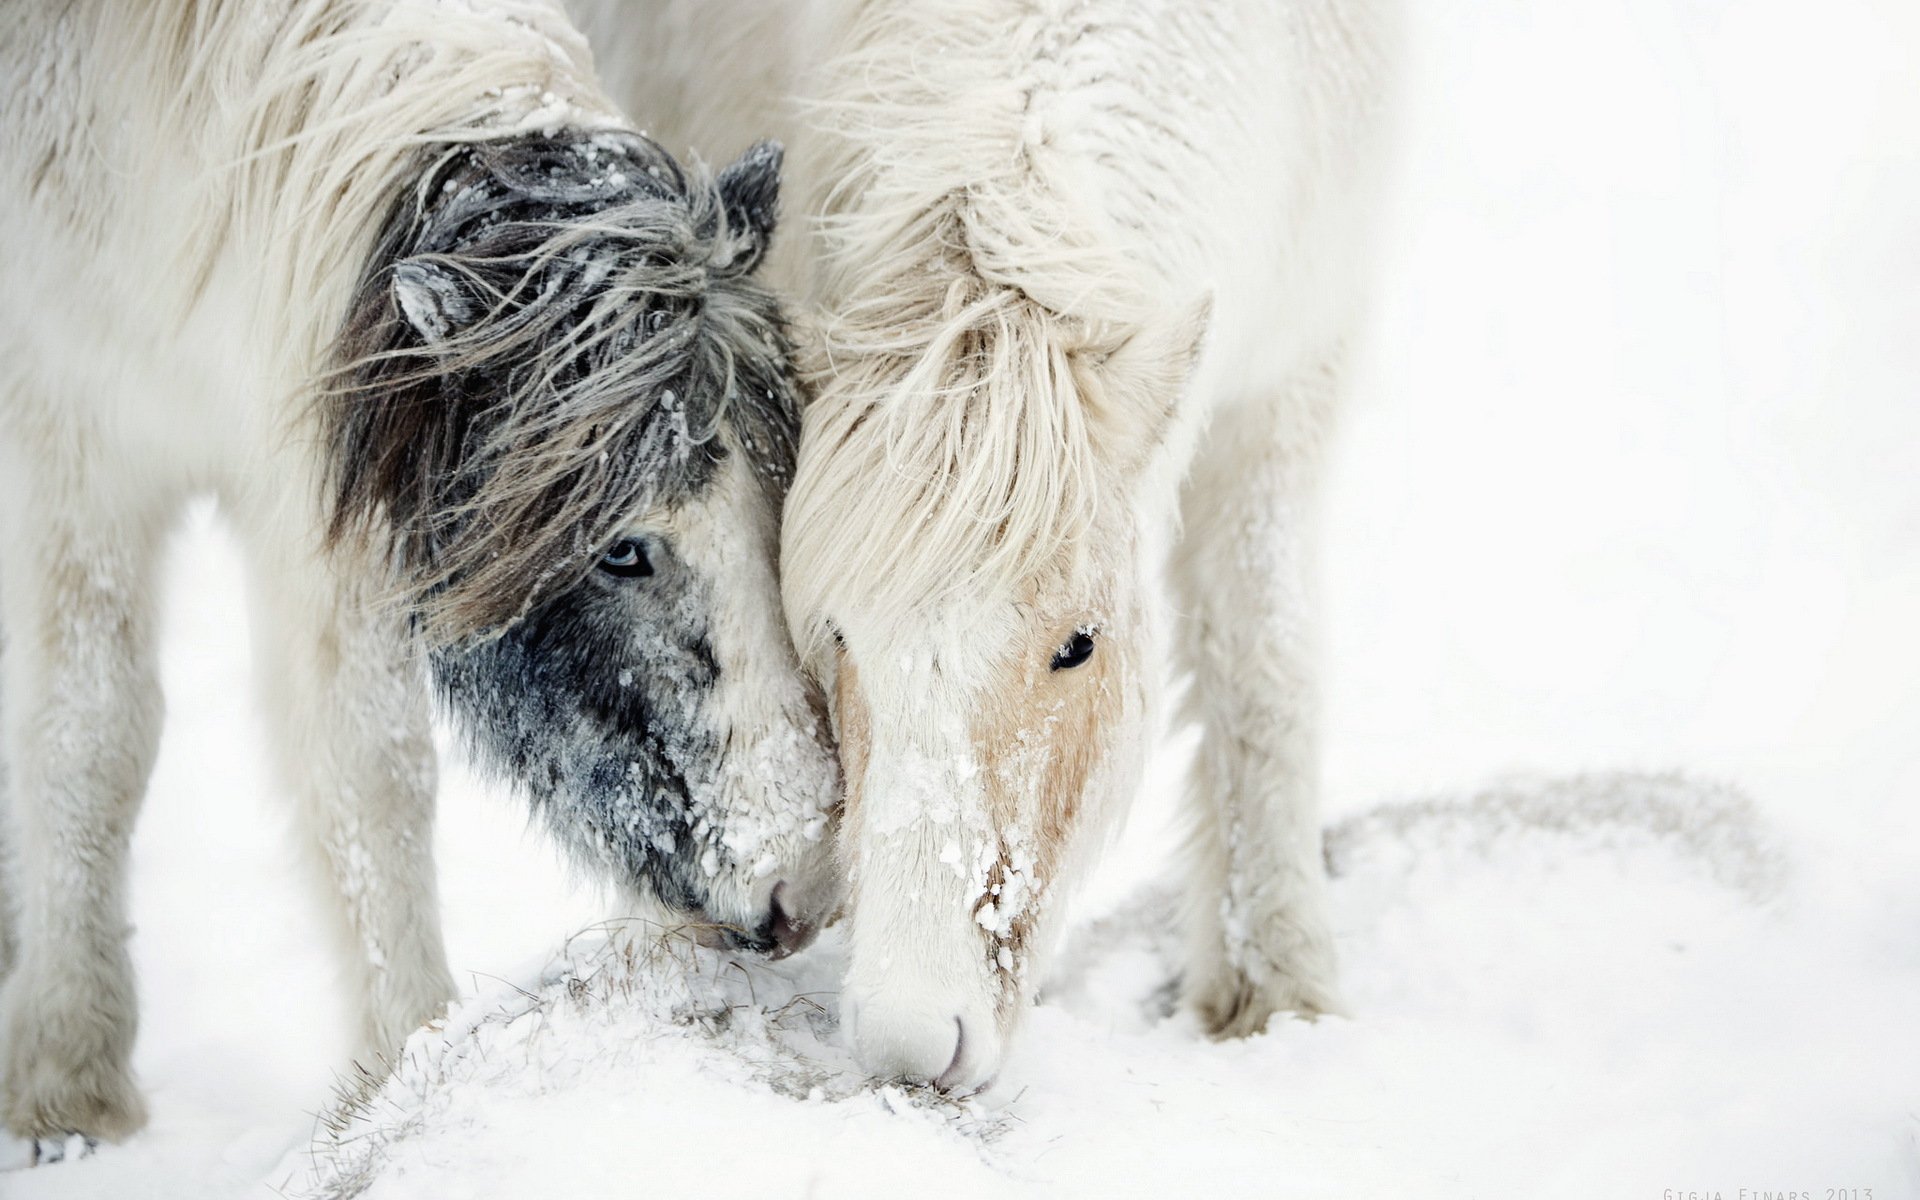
(66, 1097)
(59, 1148)
(1235, 1005)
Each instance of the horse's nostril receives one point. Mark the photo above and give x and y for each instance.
(951, 1075)
(788, 932)
(779, 933)
(913, 1046)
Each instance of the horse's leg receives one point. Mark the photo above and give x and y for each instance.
(82, 725)
(1260, 940)
(7, 901)
(346, 700)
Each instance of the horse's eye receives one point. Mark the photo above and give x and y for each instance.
(627, 559)
(1079, 648)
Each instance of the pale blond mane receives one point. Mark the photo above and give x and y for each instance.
(970, 304)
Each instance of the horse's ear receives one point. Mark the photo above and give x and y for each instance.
(1143, 377)
(434, 299)
(750, 191)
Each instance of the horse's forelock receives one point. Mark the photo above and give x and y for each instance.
(611, 353)
(946, 463)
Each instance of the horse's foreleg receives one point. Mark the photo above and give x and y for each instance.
(82, 719)
(1260, 940)
(6, 889)
(347, 704)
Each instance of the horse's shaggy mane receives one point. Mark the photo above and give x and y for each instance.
(986, 343)
(588, 332)
(321, 132)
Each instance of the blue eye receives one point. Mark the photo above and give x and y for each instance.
(1079, 648)
(627, 559)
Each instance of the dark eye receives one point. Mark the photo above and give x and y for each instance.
(1079, 648)
(627, 559)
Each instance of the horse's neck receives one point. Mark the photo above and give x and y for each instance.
(706, 78)
(1103, 98)
(1207, 134)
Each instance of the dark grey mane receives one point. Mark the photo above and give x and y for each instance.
(553, 333)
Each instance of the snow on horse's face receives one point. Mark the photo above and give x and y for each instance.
(982, 622)
(572, 406)
(983, 748)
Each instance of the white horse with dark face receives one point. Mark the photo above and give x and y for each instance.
(482, 380)
(1081, 278)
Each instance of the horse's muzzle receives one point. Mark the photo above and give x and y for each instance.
(778, 933)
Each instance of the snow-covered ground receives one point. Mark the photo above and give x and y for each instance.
(1631, 488)
(1564, 988)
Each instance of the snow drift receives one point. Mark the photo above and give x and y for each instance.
(1563, 987)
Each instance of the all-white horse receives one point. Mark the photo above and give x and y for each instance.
(482, 380)
(1082, 277)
